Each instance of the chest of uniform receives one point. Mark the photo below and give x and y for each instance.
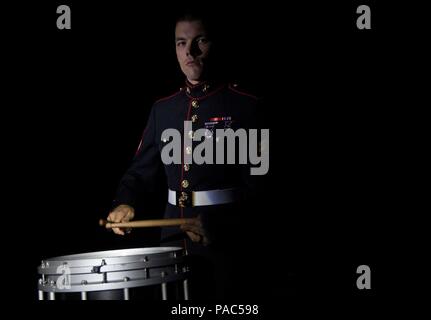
(210, 115)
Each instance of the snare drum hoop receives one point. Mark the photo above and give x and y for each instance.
(149, 257)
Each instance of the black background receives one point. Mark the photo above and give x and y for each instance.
(80, 99)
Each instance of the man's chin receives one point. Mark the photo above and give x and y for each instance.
(194, 74)
(194, 78)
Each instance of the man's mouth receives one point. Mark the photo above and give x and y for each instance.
(190, 63)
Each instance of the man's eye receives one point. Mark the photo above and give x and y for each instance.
(203, 40)
(181, 43)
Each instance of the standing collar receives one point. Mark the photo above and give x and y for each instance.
(199, 90)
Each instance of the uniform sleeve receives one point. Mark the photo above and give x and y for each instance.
(141, 175)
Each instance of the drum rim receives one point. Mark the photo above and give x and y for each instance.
(109, 254)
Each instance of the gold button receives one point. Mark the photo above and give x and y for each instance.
(184, 183)
(205, 88)
(195, 104)
(189, 150)
(186, 167)
(191, 134)
(194, 118)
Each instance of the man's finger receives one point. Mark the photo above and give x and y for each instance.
(118, 231)
(192, 228)
(193, 236)
(113, 218)
(195, 222)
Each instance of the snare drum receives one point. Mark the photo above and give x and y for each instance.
(115, 274)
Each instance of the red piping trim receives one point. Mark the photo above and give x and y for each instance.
(243, 93)
(142, 139)
(182, 167)
(182, 156)
(139, 147)
(189, 111)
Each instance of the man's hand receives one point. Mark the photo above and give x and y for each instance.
(122, 213)
(196, 231)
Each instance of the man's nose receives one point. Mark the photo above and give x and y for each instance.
(193, 50)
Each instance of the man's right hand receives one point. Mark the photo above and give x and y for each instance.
(122, 213)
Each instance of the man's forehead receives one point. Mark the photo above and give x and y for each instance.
(189, 29)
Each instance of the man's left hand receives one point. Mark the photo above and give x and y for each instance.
(196, 231)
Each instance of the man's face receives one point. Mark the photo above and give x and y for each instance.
(192, 47)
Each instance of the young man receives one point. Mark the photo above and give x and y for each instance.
(218, 194)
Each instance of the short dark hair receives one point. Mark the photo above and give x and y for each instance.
(199, 15)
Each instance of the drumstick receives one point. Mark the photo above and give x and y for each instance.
(145, 223)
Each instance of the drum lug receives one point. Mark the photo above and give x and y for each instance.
(126, 290)
(96, 269)
(174, 255)
(164, 286)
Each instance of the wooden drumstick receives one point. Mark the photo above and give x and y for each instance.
(145, 223)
